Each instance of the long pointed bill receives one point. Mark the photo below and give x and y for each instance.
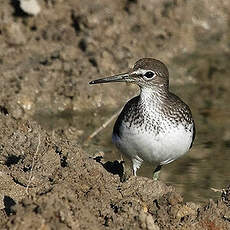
(125, 77)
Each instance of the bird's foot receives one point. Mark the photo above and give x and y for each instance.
(156, 173)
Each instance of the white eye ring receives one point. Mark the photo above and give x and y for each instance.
(148, 75)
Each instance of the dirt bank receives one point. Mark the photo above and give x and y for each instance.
(47, 109)
(48, 182)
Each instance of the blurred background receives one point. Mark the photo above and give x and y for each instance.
(51, 49)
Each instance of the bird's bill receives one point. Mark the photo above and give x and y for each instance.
(125, 77)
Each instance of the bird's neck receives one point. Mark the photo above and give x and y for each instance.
(153, 96)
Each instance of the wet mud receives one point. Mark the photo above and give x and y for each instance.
(47, 111)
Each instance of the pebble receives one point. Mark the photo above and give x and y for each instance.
(30, 7)
(14, 34)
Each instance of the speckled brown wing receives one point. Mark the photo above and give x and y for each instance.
(126, 114)
(183, 111)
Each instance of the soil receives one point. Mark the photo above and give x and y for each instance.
(47, 109)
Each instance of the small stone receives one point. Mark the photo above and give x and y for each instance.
(150, 225)
(180, 211)
(30, 7)
(14, 34)
(26, 102)
(147, 221)
(145, 208)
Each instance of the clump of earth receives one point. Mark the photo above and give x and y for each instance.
(47, 109)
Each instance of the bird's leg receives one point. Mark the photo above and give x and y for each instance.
(123, 176)
(156, 172)
(134, 171)
(136, 165)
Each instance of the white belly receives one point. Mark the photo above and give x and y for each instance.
(161, 148)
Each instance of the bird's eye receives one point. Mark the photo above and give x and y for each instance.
(149, 74)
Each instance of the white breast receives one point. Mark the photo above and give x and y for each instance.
(162, 148)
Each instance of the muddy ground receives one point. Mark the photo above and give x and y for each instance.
(48, 109)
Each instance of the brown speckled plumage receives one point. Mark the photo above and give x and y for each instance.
(172, 109)
(155, 126)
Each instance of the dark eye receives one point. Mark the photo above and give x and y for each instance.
(149, 74)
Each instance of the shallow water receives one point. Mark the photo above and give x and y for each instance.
(205, 167)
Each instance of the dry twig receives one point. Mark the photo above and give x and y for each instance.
(217, 190)
(104, 125)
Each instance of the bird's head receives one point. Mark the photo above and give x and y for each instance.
(147, 73)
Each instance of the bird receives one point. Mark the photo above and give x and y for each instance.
(156, 126)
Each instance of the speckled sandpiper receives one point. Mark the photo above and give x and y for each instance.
(156, 126)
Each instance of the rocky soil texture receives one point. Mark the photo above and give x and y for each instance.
(47, 58)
